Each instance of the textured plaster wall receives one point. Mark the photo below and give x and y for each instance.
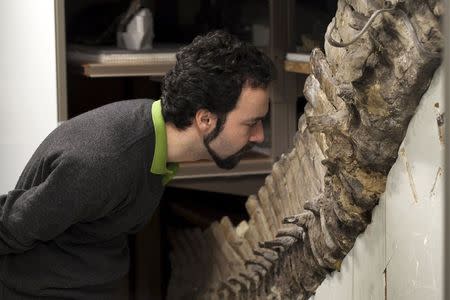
(400, 255)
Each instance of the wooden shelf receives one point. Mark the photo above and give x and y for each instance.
(96, 70)
(243, 180)
(236, 185)
(252, 164)
(114, 62)
(297, 63)
(122, 69)
(297, 67)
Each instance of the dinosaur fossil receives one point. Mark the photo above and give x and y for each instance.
(380, 57)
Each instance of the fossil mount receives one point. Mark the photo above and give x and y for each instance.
(380, 58)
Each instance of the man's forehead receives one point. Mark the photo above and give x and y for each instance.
(253, 97)
(252, 113)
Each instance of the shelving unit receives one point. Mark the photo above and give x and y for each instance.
(94, 63)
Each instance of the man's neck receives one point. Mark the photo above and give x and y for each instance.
(183, 145)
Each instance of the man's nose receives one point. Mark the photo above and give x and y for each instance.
(258, 133)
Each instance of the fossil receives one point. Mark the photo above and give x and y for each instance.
(319, 197)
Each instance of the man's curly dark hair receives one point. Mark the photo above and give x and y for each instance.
(210, 74)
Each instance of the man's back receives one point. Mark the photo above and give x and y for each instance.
(63, 229)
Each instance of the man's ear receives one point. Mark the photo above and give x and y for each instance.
(205, 120)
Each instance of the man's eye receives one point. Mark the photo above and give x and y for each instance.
(252, 124)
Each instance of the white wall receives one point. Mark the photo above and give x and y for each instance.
(400, 255)
(28, 110)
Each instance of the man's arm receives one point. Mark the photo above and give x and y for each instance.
(72, 192)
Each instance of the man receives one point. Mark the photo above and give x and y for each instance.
(99, 176)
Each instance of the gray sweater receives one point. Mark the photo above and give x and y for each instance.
(63, 229)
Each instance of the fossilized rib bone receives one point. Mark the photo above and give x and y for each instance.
(320, 196)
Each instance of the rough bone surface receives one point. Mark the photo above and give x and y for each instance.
(320, 196)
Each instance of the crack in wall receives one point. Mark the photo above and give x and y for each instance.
(412, 183)
(439, 173)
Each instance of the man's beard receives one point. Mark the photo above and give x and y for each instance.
(231, 161)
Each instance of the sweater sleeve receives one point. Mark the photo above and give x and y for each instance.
(71, 193)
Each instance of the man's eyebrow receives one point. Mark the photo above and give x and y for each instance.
(257, 118)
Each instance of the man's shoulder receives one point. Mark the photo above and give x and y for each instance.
(109, 129)
(119, 107)
(114, 116)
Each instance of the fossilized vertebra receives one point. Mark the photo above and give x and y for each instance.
(320, 196)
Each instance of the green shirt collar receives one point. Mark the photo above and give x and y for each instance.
(159, 163)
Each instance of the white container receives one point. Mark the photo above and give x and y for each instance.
(139, 32)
